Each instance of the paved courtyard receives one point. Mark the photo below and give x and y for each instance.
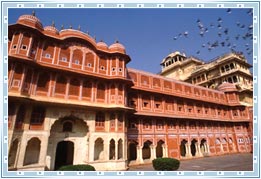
(232, 162)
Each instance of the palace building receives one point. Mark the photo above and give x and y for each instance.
(231, 67)
(72, 100)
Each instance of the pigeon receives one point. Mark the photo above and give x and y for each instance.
(186, 33)
(219, 20)
(226, 31)
(229, 11)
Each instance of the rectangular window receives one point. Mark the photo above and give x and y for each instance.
(145, 104)
(47, 55)
(77, 62)
(64, 59)
(38, 115)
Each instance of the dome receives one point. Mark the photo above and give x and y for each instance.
(117, 47)
(102, 45)
(51, 29)
(227, 87)
(30, 20)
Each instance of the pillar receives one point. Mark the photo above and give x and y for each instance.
(21, 152)
(43, 150)
(139, 155)
(116, 151)
(199, 153)
(188, 151)
(165, 150)
(152, 152)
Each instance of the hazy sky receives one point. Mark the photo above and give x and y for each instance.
(149, 35)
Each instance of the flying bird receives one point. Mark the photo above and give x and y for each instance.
(250, 12)
(229, 11)
(226, 31)
(186, 33)
(219, 20)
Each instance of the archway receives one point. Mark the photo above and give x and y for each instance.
(98, 149)
(112, 149)
(12, 153)
(32, 152)
(68, 128)
(203, 146)
(132, 151)
(183, 147)
(146, 150)
(159, 149)
(120, 149)
(193, 147)
(64, 154)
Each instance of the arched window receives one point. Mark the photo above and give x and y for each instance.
(98, 149)
(67, 126)
(112, 150)
(60, 86)
(120, 149)
(235, 79)
(232, 66)
(222, 69)
(32, 152)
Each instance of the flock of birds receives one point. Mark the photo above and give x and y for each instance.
(225, 38)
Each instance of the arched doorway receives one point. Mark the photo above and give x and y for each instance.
(159, 149)
(193, 147)
(146, 150)
(112, 149)
(183, 147)
(32, 152)
(64, 154)
(120, 149)
(99, 149)
(68, 128)
(132, 151)
(12, 153)
(203, 146)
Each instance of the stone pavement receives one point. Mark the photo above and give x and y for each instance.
(231, 162)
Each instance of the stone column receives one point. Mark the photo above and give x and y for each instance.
(139, 155)
(165, 150)
(116, 151)
(21, 152)
(199, 153)
(43, 150)
(221, 148)
(152, 152)
(208, 151)
(188, 151)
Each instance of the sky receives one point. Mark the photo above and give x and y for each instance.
(150, 34)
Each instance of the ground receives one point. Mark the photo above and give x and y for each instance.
(234, 162)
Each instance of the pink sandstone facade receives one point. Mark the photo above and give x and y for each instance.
(72, 100)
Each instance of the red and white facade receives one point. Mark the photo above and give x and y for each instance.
(72, 100)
